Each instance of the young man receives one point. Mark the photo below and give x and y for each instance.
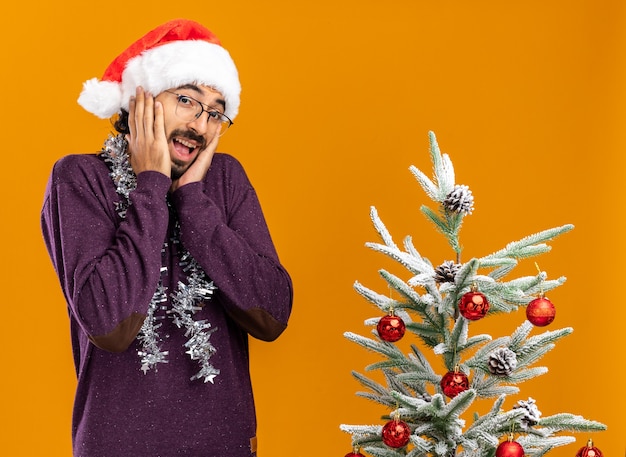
(164, 258)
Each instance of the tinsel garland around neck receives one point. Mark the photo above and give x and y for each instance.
(184, 300)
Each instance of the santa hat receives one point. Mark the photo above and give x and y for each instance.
(176, 53)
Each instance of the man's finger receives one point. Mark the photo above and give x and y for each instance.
(132, 126)
(159, 123)
(148, 116)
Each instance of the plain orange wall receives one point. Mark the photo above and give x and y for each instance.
(528, 98)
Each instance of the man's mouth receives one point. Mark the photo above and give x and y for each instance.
(184, 146)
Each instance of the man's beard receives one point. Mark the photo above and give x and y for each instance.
(179, 169)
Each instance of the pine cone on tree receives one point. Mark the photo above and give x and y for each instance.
(459, 200)
(531, 412)
(425, 396)
(502, 362)
(446, 271)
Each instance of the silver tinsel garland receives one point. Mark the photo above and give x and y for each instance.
(185, 298)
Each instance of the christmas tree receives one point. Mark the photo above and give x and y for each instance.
(436, 305)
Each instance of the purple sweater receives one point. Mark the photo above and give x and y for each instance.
(109, 269)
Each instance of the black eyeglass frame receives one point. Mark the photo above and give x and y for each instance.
(205, 109)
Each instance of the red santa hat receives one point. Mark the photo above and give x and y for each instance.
(176, 53)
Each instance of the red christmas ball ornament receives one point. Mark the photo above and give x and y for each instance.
(356, 453)
(391, 328)
(589, 451)
(396, 433)
(453, 383)
(510, 448)
(473, 305)
(540, 312)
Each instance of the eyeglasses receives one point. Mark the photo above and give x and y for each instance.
(189, 109)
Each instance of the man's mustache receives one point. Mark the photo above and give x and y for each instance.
(189, 135)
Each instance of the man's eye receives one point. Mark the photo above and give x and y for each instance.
(185, 100)
(216, 115)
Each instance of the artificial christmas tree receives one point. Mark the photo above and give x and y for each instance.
(437, 306)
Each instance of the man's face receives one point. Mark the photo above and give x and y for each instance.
(187, 138)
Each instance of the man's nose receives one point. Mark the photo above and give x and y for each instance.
(201, 123)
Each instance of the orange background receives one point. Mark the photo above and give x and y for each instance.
(528, 98)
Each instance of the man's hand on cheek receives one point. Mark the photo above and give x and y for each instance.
(147, 143)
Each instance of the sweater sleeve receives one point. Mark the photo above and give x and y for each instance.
(108, 269)
(232, 243)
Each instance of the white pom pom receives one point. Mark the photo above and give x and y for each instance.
(102, 98)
